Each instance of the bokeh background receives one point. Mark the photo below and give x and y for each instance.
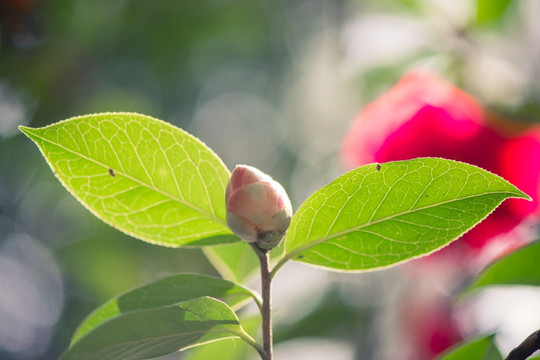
(274, 84)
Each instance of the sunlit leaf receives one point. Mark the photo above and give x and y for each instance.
(150, 333)
(141, 175)
(383, 214)
(167, 291)
(518, 268)
(478, 349)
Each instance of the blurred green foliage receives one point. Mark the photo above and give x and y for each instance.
(303, 60)
(489, 12)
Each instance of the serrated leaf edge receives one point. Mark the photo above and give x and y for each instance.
(28, 131)
(290, 256)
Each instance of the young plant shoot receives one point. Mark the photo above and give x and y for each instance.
(160, 184)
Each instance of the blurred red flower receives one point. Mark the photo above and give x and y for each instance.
(434, 328)
(423, 115)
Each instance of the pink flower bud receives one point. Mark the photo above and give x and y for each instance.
(258, 208)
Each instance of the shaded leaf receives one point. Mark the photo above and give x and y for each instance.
(228, 349)
(237, 262)
(383, 214)
(149, 333)
(141, 175)
(482, 348)
(518, 268)
(167, 291)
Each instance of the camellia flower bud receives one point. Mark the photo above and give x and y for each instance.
(258, 208)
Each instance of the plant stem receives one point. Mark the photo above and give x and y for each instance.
(247, 338)
(266, 310)
(526, 348)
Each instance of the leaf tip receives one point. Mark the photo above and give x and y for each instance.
(30, 132)
(24, 129)
(526, 196)
(522, 195)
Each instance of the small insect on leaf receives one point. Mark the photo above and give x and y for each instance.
(178, 180)
(338, 225)
(378, 167)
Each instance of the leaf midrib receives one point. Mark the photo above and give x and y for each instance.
(140, 182)
(356, 228)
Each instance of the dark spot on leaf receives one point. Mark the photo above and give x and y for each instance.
(300, 257)
(378, 167)
(111, 172)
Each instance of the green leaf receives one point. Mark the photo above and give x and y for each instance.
(482, 348)
(167, 291)
(489, 12)
(141, 175)
(229, 349)
(237, 262)
(383, 214)
(150, 333)
(518, 268)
